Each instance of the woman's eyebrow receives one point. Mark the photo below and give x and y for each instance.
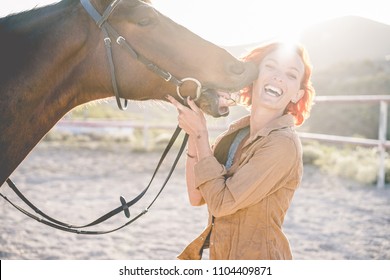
(271, 59)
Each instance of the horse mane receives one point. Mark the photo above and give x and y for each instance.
(14, 49)
(19, 40)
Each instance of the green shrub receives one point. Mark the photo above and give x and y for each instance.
(312, 153)
(357, 163)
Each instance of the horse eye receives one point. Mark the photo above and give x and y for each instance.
(144, 22)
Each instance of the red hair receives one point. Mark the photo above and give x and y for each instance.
(301, 109)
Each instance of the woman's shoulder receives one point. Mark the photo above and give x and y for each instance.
(285, 135)
(281, 140)
(285, 140)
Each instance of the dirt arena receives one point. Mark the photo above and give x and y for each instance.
(330, 218)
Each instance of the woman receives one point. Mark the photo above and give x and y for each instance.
(249, 178)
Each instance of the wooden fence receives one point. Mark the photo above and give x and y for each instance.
(381, 143)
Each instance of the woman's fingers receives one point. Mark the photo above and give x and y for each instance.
(192, 105)
(181, 107)
(177, 104)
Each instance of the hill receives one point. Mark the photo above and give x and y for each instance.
(344, 39)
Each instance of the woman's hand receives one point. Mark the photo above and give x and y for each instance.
(192, 119)
(193, 122)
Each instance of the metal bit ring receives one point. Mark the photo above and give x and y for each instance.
(198, 89)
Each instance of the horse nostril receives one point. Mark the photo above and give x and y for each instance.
(237, 68)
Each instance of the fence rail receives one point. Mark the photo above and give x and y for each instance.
(381, 142)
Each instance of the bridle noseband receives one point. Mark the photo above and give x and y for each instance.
(109, 32)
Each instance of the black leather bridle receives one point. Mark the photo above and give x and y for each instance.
(109, 32)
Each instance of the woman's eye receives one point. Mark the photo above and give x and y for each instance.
(291, 76)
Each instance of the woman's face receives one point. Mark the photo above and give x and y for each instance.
(279, 81)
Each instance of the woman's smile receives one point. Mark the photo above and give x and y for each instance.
(273, 90)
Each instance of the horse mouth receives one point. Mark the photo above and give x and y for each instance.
(211, 102)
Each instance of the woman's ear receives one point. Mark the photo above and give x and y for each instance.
(298, 96)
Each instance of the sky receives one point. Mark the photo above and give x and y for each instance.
(235, 22)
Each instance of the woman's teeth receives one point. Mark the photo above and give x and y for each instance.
(274, 91)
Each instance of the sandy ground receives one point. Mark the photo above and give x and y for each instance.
(330, 218)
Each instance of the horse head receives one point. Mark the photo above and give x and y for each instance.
(54, 58)
(171, 47)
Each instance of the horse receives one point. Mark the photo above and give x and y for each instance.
(54, 58)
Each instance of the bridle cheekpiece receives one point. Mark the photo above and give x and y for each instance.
(110, 32)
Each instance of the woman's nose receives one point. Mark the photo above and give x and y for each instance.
(278, 78)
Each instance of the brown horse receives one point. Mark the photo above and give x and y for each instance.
(53, 59)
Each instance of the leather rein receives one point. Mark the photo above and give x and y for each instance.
(49, 221)
(109, 32)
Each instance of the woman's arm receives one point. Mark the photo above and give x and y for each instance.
(269, 168)
(194, 195)
(193, 122)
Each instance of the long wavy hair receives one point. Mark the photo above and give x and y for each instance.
(301, 109)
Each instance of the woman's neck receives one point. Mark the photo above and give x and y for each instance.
(261, 118)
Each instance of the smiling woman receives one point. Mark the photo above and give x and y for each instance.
(249, 177)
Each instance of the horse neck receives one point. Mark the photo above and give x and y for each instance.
(40, 55)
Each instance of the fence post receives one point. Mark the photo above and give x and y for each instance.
(382, 141)
(145, 130)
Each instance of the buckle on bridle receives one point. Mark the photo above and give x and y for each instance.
(168, 78)
(198, 89)
(107, 41)
(120, 39)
